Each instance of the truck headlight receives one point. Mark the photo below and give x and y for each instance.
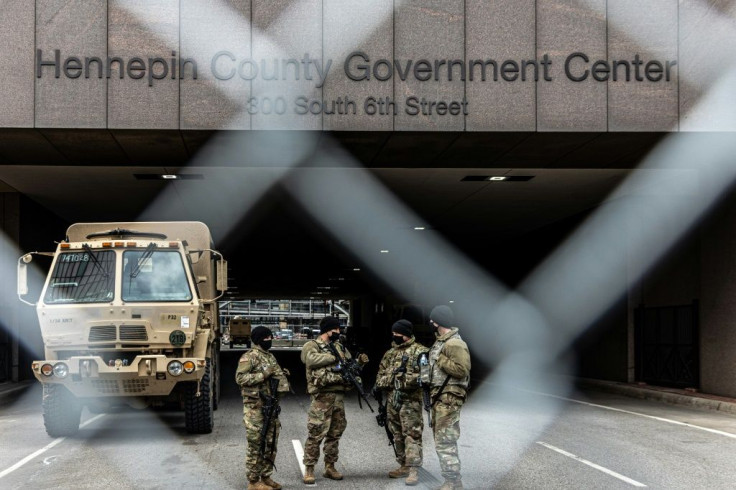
(61, 370)
(175, 368)
(189, 367)
(47, 369)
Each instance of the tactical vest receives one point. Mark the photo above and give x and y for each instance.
(325, 378)
(259, 359)
(408, 381)
(438, 376)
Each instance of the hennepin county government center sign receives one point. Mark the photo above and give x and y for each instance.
(358, 66)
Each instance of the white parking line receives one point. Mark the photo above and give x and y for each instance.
(53, 443)
(653, 417)
(299, 454)
(593, 465)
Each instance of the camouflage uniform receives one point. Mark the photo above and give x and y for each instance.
(403, 400)
(326, 417)
(449, 359)
(253, 382)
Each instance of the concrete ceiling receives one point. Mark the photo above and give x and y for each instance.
(95, 175)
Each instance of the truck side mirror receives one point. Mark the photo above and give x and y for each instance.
(23, 277)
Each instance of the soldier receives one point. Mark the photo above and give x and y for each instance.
(254, 370)
(326, 417)
(449, 361)
(398, 375)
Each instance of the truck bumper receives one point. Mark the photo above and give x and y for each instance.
(146, 375)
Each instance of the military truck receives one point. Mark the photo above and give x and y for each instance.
(239, 331)
(129, 315)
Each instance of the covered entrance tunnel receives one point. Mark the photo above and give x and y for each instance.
(500, 226)
(560, 172)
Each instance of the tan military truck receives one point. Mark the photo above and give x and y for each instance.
(129, 315)
(239, 331)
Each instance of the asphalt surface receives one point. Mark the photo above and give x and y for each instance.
(510, 439)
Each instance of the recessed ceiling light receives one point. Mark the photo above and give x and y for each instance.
(497, 178)
(419, 228)
(356, 269)
(168, 176)
(452, 301)
(511, 178)
(384, 251)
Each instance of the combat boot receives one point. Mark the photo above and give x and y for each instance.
(413, 477)
(257, 485)
(452, 485)
(331, 472)
(309, 475)
(399, 472)
(268, 481)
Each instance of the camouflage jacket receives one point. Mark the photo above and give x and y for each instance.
(320, 362)
(449, 359)
(408, 382)
(251, 377)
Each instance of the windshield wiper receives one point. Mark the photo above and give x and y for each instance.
(146, 255)
(94, 260)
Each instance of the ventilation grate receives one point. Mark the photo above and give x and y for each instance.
(135, 385)
(105, 386)
(103, 333)
(133, 332)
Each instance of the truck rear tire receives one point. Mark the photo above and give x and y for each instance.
(61, 411)
(199, 410)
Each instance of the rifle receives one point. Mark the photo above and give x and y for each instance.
(396, 401)
(424, 385)
(382, 420)
(349, 369)
(271, 410)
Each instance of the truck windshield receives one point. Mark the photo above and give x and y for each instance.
(154, 275)
(82, 277)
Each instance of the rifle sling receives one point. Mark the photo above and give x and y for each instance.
(436, 398)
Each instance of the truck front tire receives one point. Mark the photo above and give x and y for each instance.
(61, 411)
(199, 410)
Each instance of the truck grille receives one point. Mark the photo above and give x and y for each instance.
(105, 386)
(135, 385)
(133, 332)
(102, 333)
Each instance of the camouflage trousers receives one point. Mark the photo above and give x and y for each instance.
(257, 467)
(325, 421)
(406, 424)
(446, 427)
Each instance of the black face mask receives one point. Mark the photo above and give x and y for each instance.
(334, 337)
(265, 344)
(398, 340)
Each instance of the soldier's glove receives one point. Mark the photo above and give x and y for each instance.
(337, 367)
(286, 372)
(363, 359)
(268, 371)
(400, 369)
